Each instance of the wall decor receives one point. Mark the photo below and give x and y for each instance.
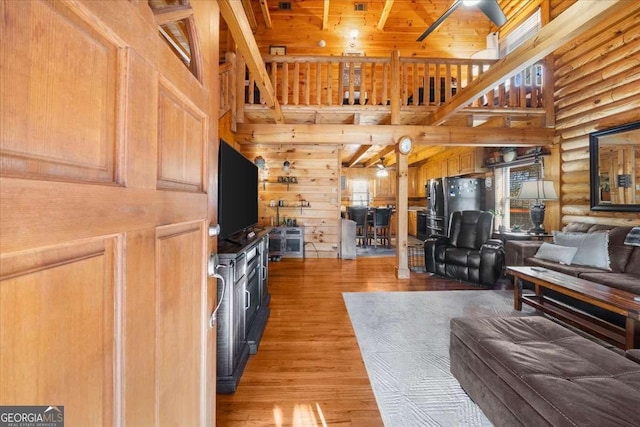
(614, 156)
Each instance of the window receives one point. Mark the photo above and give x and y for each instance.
(177, 28)
(521, 33)
(510, 212)
(360, 192)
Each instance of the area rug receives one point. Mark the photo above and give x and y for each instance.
(404, 340)
(370, 251)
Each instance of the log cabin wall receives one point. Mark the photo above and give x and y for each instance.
(596, 87)
(316, 170)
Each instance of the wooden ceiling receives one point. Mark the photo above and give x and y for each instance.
(324, 27)
(381, 27)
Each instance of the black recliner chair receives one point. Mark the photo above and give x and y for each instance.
(468, 253)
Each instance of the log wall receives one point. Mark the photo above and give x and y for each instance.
(316, 170)
(597, 81)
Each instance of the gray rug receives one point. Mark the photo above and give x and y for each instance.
(370, 251)
(404, 340)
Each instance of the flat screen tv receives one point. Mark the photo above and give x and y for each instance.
(237, 194)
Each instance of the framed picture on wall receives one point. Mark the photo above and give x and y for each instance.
(277, 50)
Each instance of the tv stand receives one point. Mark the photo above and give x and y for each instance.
(244, 310)
(235, 242)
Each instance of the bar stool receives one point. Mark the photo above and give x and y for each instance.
(380, 226)
(359, 215)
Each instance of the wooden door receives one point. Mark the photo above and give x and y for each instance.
(106, 155)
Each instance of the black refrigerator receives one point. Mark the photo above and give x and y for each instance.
(447, 195)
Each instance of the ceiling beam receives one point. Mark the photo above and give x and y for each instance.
(325, 15)
(236, 20)
(251, 17)
(385, 14)
(324, 134)
(420, 154)
(576, 19)
(172, 14)
(357, 155)
(265, 13)
(375, 159)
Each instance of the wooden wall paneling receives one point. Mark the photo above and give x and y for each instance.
(60, 311)
(596, 87)
(316, 170)
(79, 141)
(559, 6)
(552, 172)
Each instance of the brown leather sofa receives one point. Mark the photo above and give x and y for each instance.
(624, 259)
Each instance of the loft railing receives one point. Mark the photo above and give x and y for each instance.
(225, 76)
(366, 82)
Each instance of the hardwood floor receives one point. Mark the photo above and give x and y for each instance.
(308, 370)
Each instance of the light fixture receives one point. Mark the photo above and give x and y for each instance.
(286, 166)
(382, 170)
(353, 34)
(470, 2)
(537, 190)
(259, 162)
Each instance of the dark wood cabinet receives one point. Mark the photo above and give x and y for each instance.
(244, 309)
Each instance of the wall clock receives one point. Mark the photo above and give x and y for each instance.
(405, 143)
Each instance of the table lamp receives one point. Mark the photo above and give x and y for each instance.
(537, 190)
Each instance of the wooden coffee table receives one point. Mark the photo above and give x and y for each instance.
(610, 299)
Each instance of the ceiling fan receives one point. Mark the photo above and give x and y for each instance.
(488, 7)
(382, 169)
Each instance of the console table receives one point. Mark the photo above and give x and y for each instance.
(605, 297)
(244, 310)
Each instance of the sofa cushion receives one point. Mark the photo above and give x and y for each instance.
(633, 263)
(593, 248)
(619, 253)
(561, 254)
(625, 281)
(456, 256)
(461, 256)
(470, 229)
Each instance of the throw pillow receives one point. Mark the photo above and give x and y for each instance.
(633, 238)
(593, 248)
(556, 253)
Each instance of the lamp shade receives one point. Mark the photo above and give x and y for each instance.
(537, 190)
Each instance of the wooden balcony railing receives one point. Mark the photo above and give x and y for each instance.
(225, 76)
(365, 82)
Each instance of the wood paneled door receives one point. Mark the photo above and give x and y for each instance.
(106, 146)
